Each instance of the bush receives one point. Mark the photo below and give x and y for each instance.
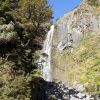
(94, 2)
(22, 23)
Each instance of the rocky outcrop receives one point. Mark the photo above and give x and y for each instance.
(80, 25)
(72, 27)
(58, 91)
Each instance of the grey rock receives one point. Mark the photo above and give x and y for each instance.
(81, 95)
(52, 97)
(74, 98)
(66, 97)
(71, 27)
(79, 87)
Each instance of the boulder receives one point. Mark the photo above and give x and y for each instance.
(52, 97)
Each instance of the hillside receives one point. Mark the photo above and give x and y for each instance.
(76, 46)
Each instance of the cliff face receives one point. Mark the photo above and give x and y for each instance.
(76, 44)
(74, 25)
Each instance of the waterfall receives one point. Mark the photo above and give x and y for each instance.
(45, 58)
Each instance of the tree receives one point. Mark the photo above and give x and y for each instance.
(19, 57)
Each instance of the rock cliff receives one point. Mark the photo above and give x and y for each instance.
(76, 45)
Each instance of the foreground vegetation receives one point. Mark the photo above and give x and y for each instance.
(22, 30)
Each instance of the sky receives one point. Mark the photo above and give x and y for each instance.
(60, 7)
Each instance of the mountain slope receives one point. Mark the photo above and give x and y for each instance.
(76, 46)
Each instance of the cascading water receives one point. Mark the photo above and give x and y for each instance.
(45, 58)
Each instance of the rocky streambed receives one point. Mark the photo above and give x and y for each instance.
(60, 91)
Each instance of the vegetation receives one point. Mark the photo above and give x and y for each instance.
(22, 22)
(84, 64)
(94, 2)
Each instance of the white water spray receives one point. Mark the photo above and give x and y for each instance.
(45, 59)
